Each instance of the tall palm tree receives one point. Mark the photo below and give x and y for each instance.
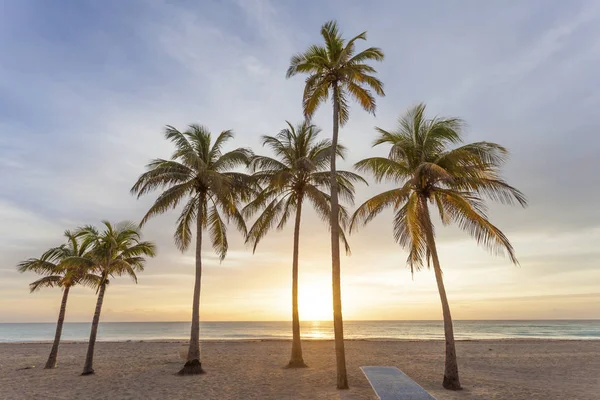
(336, 71)
(57, 274)
(456, 181)
(116, 251)
(200, 174)
(299, 172)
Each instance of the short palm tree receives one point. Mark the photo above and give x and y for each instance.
(116, 251)
(299, 172)
(200, 174)
(57, 274)
(455, 180)
(336, 71)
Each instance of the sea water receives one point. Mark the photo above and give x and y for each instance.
(314, 330)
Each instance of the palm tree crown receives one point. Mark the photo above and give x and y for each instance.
(299, 171)
(55, 267)
(116, 251)
(336, 70)
(203, 175)
(456, 181)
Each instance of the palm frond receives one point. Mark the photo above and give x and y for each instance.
(343, 107)
(261, 200)
(376, 204)
(409, 232)
(314, 96)
(335, 68)
(267, 220)
(348, 51)
(216, 150)
(169, 199)
(139, 249)
(218, 232)
(46, 281)
(37, 265)
(183, 231)
(362, 96)
(333, 41)
(91, 281)
(370, 54)
(384, 169)
(184, 150)
(463, 210)
(291, 205)
(426, 169)
(236, 158)
(345, 183)
(321, 202)
(160, 174)
(312, 60)
(258, 163)
(120, 267)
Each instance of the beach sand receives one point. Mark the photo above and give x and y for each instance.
(511, 369)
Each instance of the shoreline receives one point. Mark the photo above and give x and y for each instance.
(311, 321)
(258, 340)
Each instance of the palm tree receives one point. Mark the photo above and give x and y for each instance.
(299, 172)
(202, 175)
(456, 181)
(56, 274)
(116, 251)
(335, 70)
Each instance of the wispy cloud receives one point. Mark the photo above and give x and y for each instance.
(88, 89)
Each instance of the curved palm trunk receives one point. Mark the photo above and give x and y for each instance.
(296, 361)
(451, 380)
(193, 365)
(51, 363)
(88, 368)
(338, 323)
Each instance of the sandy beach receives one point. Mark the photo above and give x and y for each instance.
(512, 369)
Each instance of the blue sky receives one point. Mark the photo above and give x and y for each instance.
(86, 88)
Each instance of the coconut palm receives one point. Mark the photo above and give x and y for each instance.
(299, 172)
(336, 71)
(203, 177)
(57, 274)
(115, 251)
(456, 181)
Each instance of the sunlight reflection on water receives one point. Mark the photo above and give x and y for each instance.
(310, 330)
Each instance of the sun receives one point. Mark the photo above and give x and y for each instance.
(315, 302)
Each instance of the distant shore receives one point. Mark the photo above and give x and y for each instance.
(253, 369)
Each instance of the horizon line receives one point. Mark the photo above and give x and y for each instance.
(353, 320)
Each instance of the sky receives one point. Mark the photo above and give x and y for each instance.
(86, 88)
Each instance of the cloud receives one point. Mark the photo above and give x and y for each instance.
(88, 89)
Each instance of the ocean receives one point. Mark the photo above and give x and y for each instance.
(317, 330)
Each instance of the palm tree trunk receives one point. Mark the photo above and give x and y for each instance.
(338, 323)
(88, 368)
(296, 360)
(193, 365)
(451, 380)
(51, 363)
